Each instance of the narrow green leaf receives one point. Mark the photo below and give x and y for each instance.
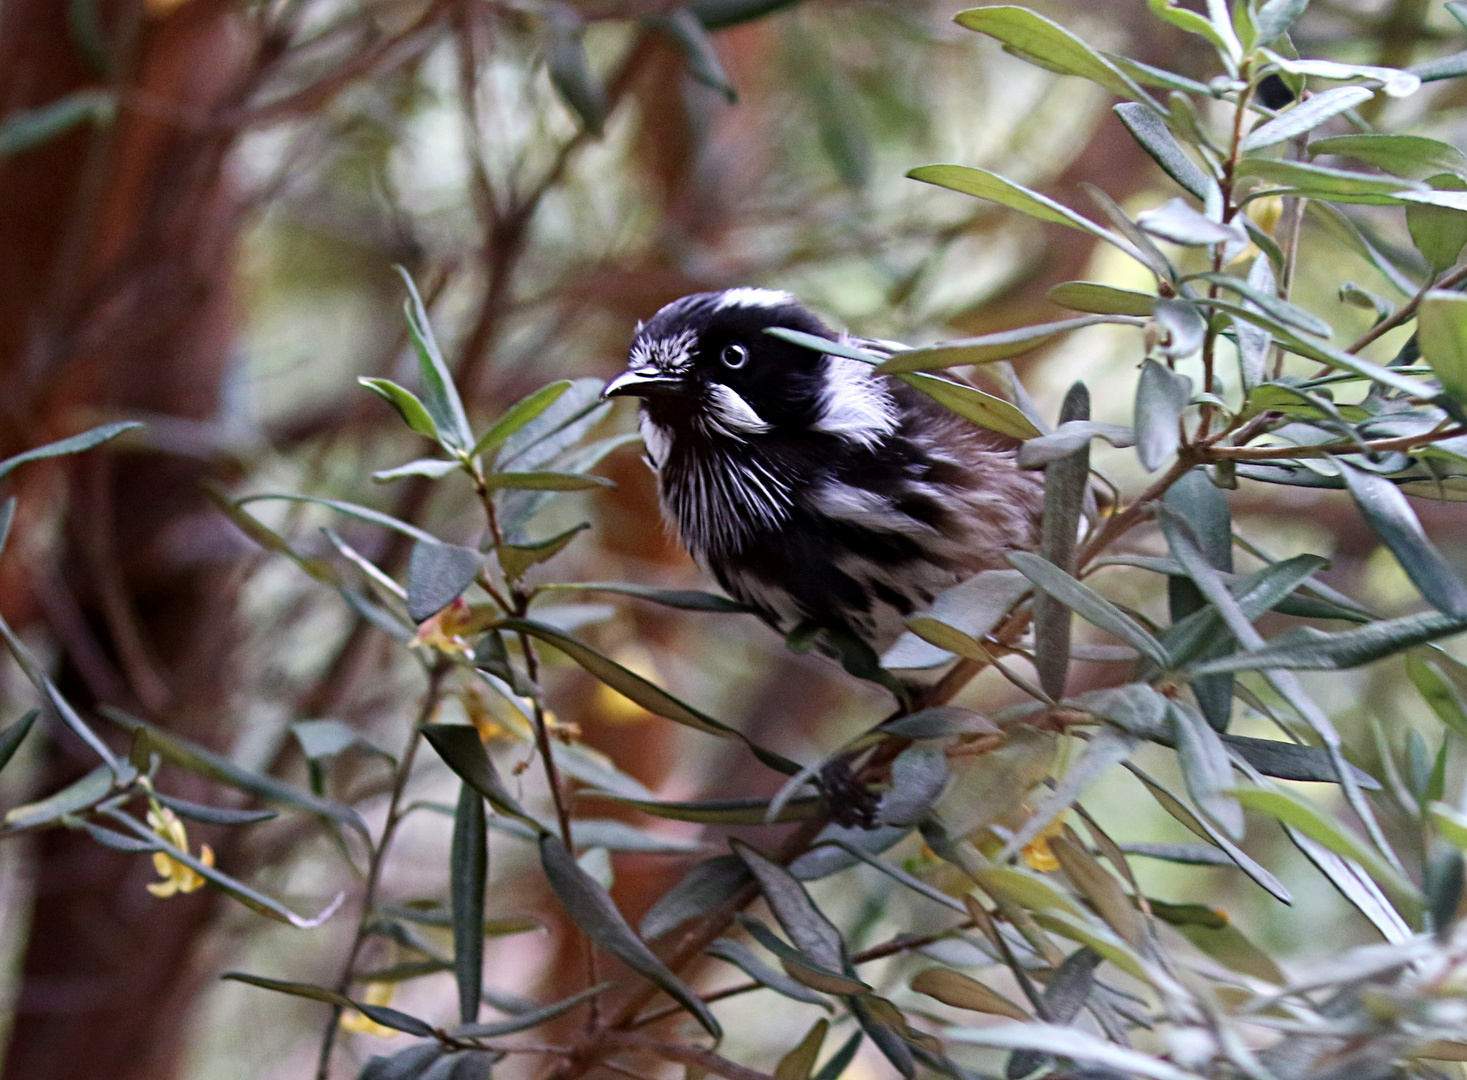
(42, 682)
(973, 404)
(645, 693)
(688, 34)
(212, 815)
(1390, 515)
(440, 396)
(432, 468)
(74, 445)
(1205, 767)
(799, 1063)
(991, 347)
(25, 129)
(1209, 832)
(707, 885)
(363, 513)
(438, 574)
(593, 911)
(14, 735)
(823, 345)
(1065, 483)
(1438, 691)
(519, 414)
(742, 957)
(1443, 328)
(468, 871)
(1295, 811)
(716, 811)
(683, 599)
(1306, 116)
(1162, 396)
(545, 481)
(1032, 35)
(206, 763)
(1148, 127)
(392, 1018)
(1439, 232)
(1088, 604)
(570, 71)
(462, 751)
(77, 796)
(1275, 17)
(532, 1018)
(812, 933)
(1100, 299)
(406, 403)
(1339, 185)
(1069, 437)
(1412, 156)
(983, 184)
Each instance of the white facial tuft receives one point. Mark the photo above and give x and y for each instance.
(731, 414)
(670, 355)
(854, 403)
(748, 297)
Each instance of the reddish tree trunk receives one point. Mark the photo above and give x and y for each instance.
(116, 252)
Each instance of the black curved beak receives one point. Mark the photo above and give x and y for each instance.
(642, 383)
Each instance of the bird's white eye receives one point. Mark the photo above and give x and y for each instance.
(734, 356)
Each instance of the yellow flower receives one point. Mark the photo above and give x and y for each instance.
(476, 708)
(1036, 852)
(375, 993)
(449, 631)
(177, 878)
(1265, 213)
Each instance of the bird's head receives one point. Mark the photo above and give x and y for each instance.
(703, 366)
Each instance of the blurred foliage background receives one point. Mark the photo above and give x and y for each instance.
(200, 235)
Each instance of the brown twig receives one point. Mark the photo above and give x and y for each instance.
(378, 859)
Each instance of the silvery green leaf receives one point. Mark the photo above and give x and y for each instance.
(1068, 438)
(438, 574)
(1275, 17)
(440, 396)
(1206, 768)
(1088, 604)
(1391, 517)
(76, 444)
(1179, 223)
(811, 931)
(593, 911)
(1182, 328)
(1065, 484)
(570, 71)
(1161, 398)
(742, 957)
(1148, 127)
(468, 870)
(1395, 82)
(708, 884)
(1306, 116)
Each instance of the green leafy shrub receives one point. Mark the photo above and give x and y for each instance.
(1044, 924)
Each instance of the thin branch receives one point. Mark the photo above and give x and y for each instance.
(378, 858)
(1374, 446)
(684, 1054)
(1407, 311)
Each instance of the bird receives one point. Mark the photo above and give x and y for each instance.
(832, 500)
